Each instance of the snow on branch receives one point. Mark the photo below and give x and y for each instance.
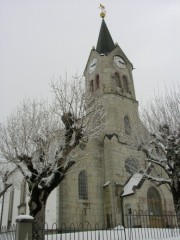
(44, 140)
(158, 180)
(161, 116)
(152, 157)
(85, 109)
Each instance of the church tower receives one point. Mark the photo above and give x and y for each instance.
(106, 182)
(109, 63)
(109, 73)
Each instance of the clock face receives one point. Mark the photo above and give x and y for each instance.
(92, 65)
(119, 61)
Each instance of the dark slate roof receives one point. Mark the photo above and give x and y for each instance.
(105, 43)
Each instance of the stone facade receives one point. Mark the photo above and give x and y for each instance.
(107, 157)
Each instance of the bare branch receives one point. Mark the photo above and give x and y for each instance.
(5, 189)
(162, 118)
(44, 140)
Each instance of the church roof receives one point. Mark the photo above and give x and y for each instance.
(105, 42)
(132, 184)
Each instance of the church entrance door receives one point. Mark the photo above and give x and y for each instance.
(154, 208)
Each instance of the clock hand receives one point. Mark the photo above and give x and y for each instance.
(121, 62)
(93, 65)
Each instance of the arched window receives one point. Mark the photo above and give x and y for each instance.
(10, 211)
(128, 209)
(131, 165)
(154, 202)
(127, 125)
(22, 205)
(125, 84)
(83, 185)
(117, 80)
(129, 217)
(91, 86)
(23, 192)
(97, 81)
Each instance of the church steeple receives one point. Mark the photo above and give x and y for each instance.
(108, 70)
(105, 42)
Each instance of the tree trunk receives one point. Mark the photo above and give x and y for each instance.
(39, 224)
(38, 199)
(5, 189)
(37, 207)
(176, 199)
(175, 188)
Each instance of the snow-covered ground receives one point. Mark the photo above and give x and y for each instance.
(114, 234)
(173, 238)
(120, 234)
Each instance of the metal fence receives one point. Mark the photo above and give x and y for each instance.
(8, 233)
(136, 226)
(118, 234)
(141, 227)
(151, 221)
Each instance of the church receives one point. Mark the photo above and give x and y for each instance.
(109, 183)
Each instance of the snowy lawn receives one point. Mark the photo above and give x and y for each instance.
(113, 234)
(120, 234)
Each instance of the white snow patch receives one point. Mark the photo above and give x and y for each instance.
(106, 184)
(22, 217)
(39, 186)
(25, 170)
(133, 182)
(120, 234)
(48, 180)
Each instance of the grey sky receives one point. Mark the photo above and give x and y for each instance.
(42, 39)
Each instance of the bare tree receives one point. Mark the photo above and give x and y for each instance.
(4, 185)
(162, 118)
(4, 188)
(43, 140)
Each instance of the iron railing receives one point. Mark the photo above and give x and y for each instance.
(118, 233)
(8, 233)
(136, 226)
(141, 227)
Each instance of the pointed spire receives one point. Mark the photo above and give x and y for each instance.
(105, 43)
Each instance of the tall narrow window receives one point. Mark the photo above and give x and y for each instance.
(83, 185)
(10, 211)
(22, 205)
(125, 84)
(23, 192)
(117, 80)
(129, 217)
(127, 126)
(97, 81)
(91, 86)
(109, 220)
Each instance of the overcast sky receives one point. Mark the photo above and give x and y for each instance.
(42, 39)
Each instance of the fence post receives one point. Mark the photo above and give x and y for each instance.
(24, 227)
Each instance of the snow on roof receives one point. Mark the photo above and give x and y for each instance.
(24, 217)
(116, 183)
(106, 184)
(133, 182)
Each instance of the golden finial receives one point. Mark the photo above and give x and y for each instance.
(103, 12)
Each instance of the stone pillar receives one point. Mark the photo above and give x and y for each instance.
(24, 227)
